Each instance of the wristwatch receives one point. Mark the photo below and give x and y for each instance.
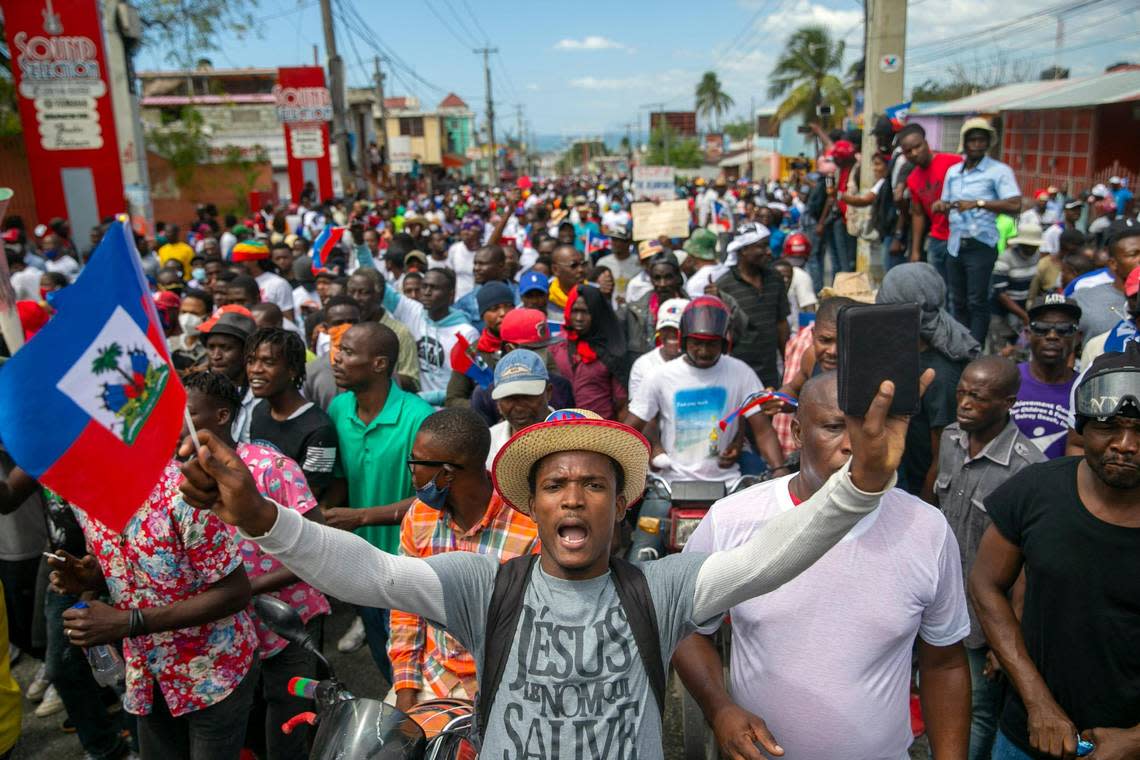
(981, 203)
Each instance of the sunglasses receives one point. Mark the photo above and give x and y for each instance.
(1063, 329)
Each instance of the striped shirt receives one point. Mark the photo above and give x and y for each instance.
(755, 342)
(1012, 275)
(423, 655)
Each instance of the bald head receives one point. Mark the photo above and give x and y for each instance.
(376, 340)
(819, 391)
(996, 372)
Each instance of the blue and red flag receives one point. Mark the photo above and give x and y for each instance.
(324, 246)
(466, 360)
(91, 406)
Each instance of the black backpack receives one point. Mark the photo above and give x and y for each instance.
(503, 613)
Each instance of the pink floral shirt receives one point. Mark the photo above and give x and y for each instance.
(278, 478)
(169, 552)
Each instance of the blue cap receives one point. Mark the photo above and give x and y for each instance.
(532, 281)
(520, 373)
(494, 294)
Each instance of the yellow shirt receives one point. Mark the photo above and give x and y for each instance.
(179, 251)
(10, 697)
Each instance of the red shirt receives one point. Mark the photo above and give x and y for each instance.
(925, 185)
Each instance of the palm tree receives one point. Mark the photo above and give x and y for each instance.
(806, 75)
(711, 98)
(108, 361)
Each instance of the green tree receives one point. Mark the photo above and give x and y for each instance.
(108, 361)
(183, 143)
(247, 168)
(683, 153)
(738, 130)
(712, 100)
(579, 153)
(806, 75)
(184, 29)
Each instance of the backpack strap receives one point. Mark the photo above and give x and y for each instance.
(633, 592)
(511, 581)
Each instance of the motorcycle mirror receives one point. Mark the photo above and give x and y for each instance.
(286, 623)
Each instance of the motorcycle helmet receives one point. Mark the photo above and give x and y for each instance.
(705, 317)
(797, 245)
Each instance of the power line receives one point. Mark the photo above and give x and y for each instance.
(373, 40)
(476, 20)
(447, 26)
(459, 20)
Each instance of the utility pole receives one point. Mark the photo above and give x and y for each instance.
(664, 126)
(883, 69)
(378, 79)
(751, 134)
(629, 146)
(1058, 43)
(519, 116)
(486, 51)
(336, 89)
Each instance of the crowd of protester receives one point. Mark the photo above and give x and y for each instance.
(378, 386)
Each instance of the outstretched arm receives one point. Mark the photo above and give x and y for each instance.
(333, 561)
(792, 542)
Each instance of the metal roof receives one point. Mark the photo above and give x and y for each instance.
(1098, 89)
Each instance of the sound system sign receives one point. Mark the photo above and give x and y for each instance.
(304, 108)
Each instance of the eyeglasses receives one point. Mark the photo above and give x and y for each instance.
(1063, 329)
(414, 463)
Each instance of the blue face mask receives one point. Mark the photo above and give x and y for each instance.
(433, 495)
(199, 274)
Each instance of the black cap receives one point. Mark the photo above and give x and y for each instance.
(1122, 228)
(1054, 301)
(494, 294)
(232, 324)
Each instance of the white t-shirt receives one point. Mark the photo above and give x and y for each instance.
(688, 403)
(276, 289)
(462, 261)
(638, 286)
(825, 659)
(645, 366)
(500, 434)
(65, 265)
(623, 270)
(800, 296)
(701, 279)
(434, 344)
(301, 295)
(226, 243)
(1051, 239)
(26, 283)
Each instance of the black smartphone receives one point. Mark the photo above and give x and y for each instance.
(877, 343)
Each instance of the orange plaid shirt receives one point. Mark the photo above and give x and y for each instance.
(422, 654)
(794, 352)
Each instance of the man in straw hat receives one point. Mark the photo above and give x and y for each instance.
(579, 631)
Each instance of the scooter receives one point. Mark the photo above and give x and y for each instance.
(354, 728)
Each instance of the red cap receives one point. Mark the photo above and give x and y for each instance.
(525, 327)
(167, 299)
(1041, 194)
(797, 245)
(233, 308)
(1132, 284)
(11, 235)
(843, 150)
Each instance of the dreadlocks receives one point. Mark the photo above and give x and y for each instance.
(290, 346)
(215, 386)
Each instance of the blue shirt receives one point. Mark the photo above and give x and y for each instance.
(989, 180)
(1122, 196)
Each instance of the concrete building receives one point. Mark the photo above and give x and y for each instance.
(431, 142)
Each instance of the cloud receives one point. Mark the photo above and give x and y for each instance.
(668, 84)
(532, 87)
(592, 42)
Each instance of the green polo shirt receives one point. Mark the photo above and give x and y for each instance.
(373, 457)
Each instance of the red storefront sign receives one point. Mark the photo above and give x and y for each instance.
(304, 107)
(60, 72)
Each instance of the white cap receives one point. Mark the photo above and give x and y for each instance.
(669, 313)
(747, 235)
(1114, 180)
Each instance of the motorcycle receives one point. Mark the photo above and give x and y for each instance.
(354, 728)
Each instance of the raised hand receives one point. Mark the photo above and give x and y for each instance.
(217, 479)
(878, 438)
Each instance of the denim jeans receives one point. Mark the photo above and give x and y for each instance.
(891, 259)
(936, 254)
(376, 632)
(969, 280)
(216, 732)
(986, 699)
(1004, 749)
(843, 246)
(99, 734)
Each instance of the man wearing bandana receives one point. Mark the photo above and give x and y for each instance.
(456, 509)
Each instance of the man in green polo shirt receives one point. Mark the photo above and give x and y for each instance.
(376, 423)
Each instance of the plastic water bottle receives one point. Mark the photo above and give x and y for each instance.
(106, 663)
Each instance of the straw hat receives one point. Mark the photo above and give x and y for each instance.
(853, 285)
(569, 430)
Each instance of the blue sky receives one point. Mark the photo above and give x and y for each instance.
(588, 67)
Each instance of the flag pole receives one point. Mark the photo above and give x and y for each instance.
(193, 430)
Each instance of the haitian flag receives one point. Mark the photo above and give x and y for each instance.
(465, 360)
(324, 245)
(91, 407)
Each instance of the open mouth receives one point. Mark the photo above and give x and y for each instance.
(572, 534)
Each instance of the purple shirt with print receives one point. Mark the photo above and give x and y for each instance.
(1042, 412)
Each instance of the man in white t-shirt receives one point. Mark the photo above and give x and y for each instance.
(461, 254)
(825, 660)
(668, 344)
(620, 260)
(522, 393)
(691, 395)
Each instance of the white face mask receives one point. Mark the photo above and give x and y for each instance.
(189, 323)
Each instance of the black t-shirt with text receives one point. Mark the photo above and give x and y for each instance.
(308, 437)
(1081, 621)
